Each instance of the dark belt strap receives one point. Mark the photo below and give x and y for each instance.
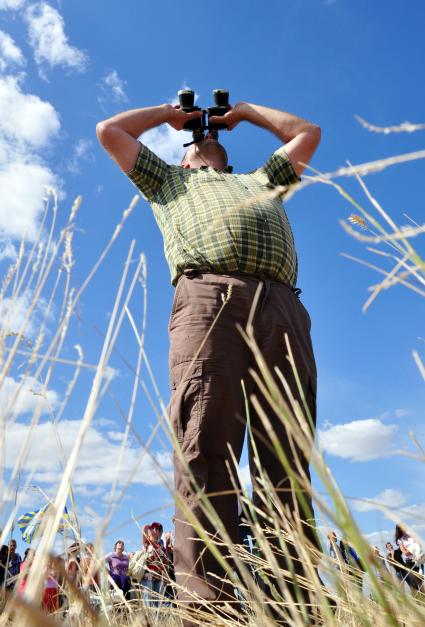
(191, 273)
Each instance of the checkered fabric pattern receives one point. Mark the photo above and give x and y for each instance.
(205, 224)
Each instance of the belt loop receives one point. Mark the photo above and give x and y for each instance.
(266, 290)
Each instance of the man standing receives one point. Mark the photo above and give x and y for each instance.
(217, 243)
(14, 565)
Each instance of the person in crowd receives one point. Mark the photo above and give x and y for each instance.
(50, 600)
(60, 577)
(334, 549)
(379, 563)
(156, 565)
(117, 565)
(24, 570)
(89, 568)
(352, 560)
(394, 560)
(169, 591)
(411, 551)
(73, 568)
(14, 565)
(4, 552)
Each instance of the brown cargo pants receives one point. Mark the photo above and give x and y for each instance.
(207, 407)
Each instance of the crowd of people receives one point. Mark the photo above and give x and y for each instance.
(146, 574)
(403, 558)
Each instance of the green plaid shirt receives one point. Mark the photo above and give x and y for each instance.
(203, 221)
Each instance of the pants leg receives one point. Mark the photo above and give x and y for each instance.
(207, 413)
(280, 312)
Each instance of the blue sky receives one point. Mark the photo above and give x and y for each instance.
(323, 60)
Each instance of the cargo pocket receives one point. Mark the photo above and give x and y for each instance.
(186, 399)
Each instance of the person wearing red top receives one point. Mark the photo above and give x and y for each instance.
(156, 565)
(50, 601)
(24, 570)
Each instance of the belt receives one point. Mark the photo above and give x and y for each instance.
(191, 273)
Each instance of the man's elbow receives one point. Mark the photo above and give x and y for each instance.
(315, 133)
(103, 132)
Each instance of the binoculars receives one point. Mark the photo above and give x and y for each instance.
(202, 124)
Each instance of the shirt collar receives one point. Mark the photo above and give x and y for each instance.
(228, 169)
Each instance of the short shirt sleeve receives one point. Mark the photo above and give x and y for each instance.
(279, 169)
(149, 172)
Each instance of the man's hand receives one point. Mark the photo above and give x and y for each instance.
(178, 118)
(300, 137)
(231, 118)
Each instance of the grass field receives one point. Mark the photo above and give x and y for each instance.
(43, 272)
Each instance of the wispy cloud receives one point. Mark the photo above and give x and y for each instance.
(10, 54)
(46, 32)
(18, 397)
(8, 5)
(82, 153)
(359, 440)
(14, 312)
(112, 89)
(388, 498)
(97, 460)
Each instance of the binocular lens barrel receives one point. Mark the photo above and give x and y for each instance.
(186, 98)
(221, 97)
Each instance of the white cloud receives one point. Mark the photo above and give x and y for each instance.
(90, 491)
(166, 142)
(388, 498)
(10, 54)
(359, 441)
(23, 189)
(11, 4)
(24, 118)
(414, 512)
(104, 422)
(46, 31)
(82, 152)
(27, 125)
(402, 413)
(112, 85)
(90, 519)
(97, 459)
(7, 249)
(13, 312)
(19, 398)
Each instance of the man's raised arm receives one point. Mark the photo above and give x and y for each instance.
(301, 137)
(118, 134)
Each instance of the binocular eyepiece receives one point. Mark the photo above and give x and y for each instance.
(202, 124)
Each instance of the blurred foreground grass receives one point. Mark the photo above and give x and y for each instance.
(267, 593)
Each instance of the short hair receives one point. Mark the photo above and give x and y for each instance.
(118, 542)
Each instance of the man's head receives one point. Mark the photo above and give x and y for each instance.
(156, 531)
(12, 547)
(208, 152)
(119, 547)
